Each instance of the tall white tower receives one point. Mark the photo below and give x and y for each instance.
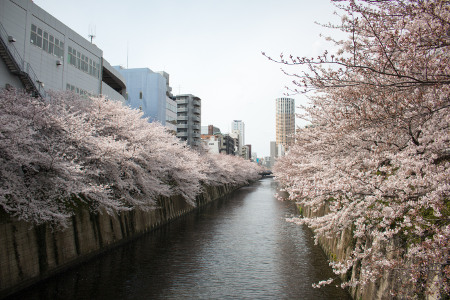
(238, 125)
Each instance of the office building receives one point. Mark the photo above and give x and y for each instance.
(245, 152)
(189, 119)
(146, 91)
(150, 92)
(228, 145)
(285, 122)
(171, 106)
(39, 53)
(249, 147)
(239, 126)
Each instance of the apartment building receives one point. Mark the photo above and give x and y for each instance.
(189, 119)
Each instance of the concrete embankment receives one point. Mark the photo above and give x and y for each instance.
(339, 249)
(30, 253)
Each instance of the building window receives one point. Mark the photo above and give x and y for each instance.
(45, 44)
(77, 90)
(83, 62)
(140, 95)
(46, 41)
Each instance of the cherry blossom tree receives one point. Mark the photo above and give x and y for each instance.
(377, 151)
(37, 181)
(72, 151)
(229, 169)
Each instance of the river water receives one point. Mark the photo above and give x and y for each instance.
(239, 247)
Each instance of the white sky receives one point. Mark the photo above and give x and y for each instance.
(210, 48)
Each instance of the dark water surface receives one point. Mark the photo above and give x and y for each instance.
(239, 247)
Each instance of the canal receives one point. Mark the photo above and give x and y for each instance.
(239, 247)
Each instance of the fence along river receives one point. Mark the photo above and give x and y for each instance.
(238, 247)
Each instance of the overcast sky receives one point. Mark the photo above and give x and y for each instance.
(210, 48)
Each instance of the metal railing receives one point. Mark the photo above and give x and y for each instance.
(12, 51)
(38, 85)
(23, 68)
(182, 101)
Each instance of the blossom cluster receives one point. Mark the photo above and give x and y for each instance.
(70, 151)
(377, 154)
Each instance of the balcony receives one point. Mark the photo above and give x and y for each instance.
(196, 127)
(182, 101)
(182, 134)
(182, 126)
(196, 111)
(183, 118)
(196, 118)
(196, 143)
(182, 110)
(196, 103)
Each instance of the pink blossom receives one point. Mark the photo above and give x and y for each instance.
(376, 158)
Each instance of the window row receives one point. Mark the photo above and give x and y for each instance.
(79, 91)
(46, 41)
(83, 62)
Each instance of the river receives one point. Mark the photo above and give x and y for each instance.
(239, 247)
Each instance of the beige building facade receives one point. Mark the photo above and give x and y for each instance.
(285, 121)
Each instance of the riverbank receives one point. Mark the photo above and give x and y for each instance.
(29, 254)
(237, 247)
(340, 249)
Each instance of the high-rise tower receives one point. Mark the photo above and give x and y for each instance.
(239, 126)
(285, 121)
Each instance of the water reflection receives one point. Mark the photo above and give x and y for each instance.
(235, 248)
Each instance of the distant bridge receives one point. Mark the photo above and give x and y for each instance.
(266, 174)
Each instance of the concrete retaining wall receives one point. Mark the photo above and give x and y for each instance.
(30, 253)
(340, 248)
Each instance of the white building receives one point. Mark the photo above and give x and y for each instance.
(39, 53)
(240, 127)
(213, 144)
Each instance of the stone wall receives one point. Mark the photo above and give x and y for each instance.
(30, 253)
(340, 248)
